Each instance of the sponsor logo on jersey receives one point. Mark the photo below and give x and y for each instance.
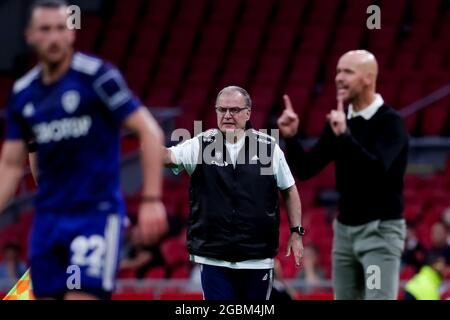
(64, 129)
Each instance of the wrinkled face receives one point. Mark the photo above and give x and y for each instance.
(351, 80)
(48, 34)
(232, 112)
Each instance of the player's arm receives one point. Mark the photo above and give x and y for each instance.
(12, 162)
(32, 158)
(305, 164)
(151, 138)
(294, 212)
(169, 158)
(152, 215)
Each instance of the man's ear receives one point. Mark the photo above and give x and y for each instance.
(369, 79)
(73, 36)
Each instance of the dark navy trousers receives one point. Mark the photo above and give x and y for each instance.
(221, 283)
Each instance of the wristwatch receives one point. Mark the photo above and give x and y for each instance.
(299, 229)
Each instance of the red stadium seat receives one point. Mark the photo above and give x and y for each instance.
(174, 252)
(88, 35)
(263, 97)
(393, 11)
(418, 35)
(281, 39)
(147, 42)
(426, 11)
(435, 117)
(382, 39)
(248, 40)
(180, 272)
(160, 96)
(224, 12)
(170, 72)
(159, 13)
(194, 98)
(203, 70)
(132, 295)
(355, 12)
(214, 40)
(405, 61)
(177, 294)
(257, 12)
(407, 273)
(323, 12)
(290, 12)
(412, 212)
(126, 12)
(180, 40)
(115, 43)
(347, 38)
(137, 73)
(431, 61)
(191, 12)
(156, 273)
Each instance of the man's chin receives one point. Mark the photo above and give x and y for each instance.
(228, 128)
(54, 58)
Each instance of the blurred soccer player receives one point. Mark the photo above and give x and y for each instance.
(369, 146)
(73, 106)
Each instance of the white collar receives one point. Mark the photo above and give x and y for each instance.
(237, 145)
(367, 112)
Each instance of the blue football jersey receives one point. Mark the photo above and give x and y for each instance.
(76, 125)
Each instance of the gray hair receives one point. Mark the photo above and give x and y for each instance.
(242, 91)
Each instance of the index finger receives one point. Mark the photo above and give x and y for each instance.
(340, 104)
(288, 103)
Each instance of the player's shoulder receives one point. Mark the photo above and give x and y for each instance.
(263, 137)
(388, 113)
(87, 64)
(26, 80)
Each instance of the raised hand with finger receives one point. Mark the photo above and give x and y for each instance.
(288, 121)
(337, 119)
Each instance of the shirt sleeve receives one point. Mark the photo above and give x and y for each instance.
(113, 91)
(15, 123)
(186, 156)
(281, 170)
(306, 164)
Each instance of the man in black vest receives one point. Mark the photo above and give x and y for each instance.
(233, 226)
(369, 147)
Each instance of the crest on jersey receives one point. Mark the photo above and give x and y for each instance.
(28, 110)
(70, 101)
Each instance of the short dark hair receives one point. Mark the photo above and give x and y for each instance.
(45, 4)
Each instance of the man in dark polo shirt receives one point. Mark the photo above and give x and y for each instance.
(369, 146)
(233, 226)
